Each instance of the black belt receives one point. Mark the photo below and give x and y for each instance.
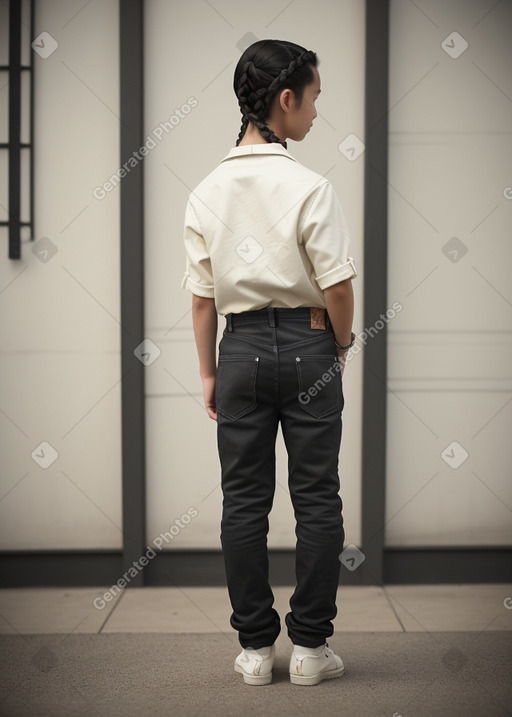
(317, 316)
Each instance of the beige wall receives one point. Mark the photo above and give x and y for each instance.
(60, 339)
(449, 372)
(449, 347)
(191, 50)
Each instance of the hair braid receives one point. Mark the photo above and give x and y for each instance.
(287, 71)
(254, 99)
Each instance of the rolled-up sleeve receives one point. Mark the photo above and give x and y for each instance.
(326, 239)
(198, 277)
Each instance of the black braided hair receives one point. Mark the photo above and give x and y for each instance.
(265, 68)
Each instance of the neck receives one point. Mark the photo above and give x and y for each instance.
(252, 135)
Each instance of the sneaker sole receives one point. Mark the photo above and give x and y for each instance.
(254, 679)
(315, 679)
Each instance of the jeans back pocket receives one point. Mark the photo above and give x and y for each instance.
(319, 382)
(235, 385)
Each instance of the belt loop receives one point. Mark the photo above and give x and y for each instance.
(271, 315)
(229, 320)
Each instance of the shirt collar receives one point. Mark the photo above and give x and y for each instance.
(268, 148)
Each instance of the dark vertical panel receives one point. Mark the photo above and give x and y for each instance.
(375, 288)
(31, 138)
(132, 285)
(14, 127)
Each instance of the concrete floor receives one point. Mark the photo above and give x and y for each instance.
(408, 650)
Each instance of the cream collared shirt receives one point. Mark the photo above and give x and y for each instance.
(264, 230)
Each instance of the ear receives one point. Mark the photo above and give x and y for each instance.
(286, 100)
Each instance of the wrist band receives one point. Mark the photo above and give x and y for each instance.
(352, 341)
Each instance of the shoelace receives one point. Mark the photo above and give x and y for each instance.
(329, 649)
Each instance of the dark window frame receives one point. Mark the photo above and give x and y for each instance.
(14, 145)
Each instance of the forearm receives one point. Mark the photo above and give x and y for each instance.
(339, 300)
(204, 319)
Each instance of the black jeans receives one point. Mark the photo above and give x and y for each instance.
(274, 367)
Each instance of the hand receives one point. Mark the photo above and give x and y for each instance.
(209, 396)
(342, 355)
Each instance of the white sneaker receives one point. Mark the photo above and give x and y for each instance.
(311, 665)
(256, 665)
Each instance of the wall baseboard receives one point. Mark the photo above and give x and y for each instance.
(206, 568)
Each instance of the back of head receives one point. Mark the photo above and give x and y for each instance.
(265, 68)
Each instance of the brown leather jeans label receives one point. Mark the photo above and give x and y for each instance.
(317, 317)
